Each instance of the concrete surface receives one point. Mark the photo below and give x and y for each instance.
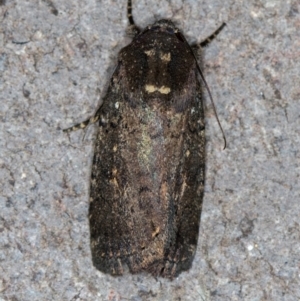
(56, 58)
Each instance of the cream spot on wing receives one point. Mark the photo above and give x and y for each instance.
(150, 88)
(115, 148)
(162, 89)
(114, 172)
(164, 195)
(183, 187)
(150, 52)
(166, 57)
(114, 182)
(155, 232)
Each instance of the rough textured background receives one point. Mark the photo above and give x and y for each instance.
(249, 246)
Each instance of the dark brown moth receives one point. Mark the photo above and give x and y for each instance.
(147, 178)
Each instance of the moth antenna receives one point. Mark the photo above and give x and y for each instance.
(132, 30)
(203, 79)
(212, 36)
(211, 99)
(129, 13)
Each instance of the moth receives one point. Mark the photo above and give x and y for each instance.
(147, 177)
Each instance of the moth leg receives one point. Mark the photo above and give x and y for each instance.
(132, 29)
(84, 124)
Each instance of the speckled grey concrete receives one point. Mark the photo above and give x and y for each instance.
(249, 244)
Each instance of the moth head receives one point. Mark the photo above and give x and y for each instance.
(163, 26)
